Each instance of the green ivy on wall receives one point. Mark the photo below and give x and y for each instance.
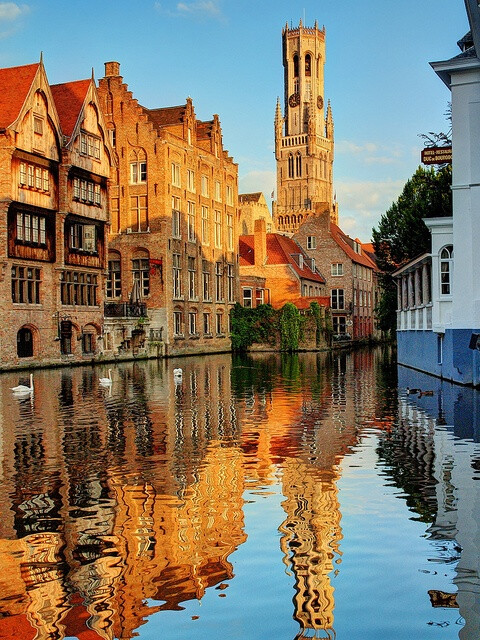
(290, 327)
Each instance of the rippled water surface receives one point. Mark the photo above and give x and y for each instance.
(260, 497)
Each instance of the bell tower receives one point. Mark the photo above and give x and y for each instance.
(304, 133)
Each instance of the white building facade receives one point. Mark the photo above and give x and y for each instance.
(447, 347)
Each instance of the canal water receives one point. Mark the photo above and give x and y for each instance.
(270, 496)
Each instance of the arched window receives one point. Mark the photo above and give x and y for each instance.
(280, 220)
(446, 270)
(298, 164)
(308, 65)
(294, 219)
(300, 218)
(290, 165)
(295, 66)
(25, 343)
(287, 220)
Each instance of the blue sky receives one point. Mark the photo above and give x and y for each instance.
(227, 55)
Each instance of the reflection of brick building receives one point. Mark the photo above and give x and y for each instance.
(173, 256)
(56, 162)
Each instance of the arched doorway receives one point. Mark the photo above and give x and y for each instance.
(25, 343)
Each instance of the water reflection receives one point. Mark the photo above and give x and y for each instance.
(136, 502)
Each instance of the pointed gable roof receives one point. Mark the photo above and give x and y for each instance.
(15, 83)
(69, 99)
(345, 243)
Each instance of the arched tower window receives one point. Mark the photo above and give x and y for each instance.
(446, 270)
(290, 165)
(298, 163)
(295, 66)
(308, 65)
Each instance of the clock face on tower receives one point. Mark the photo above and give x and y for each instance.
(319, 102)
(294, 100)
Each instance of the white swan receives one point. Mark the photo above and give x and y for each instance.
(22, 389)
(106, 382)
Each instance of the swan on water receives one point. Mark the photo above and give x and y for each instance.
(22, 388)
(106, 382)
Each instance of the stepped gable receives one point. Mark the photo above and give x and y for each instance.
(345, 243)
(280, 250)
(69, 99)
(165, 116)
(15, 83)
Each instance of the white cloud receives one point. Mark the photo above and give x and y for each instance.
(198, 8)
(254, 181)
(369, 152)
(10, 11)
(361, 204)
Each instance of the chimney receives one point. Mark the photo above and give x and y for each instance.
(112, 69)
(260, 242)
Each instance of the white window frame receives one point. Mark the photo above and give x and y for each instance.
(176, 182)
(204, 185)
(191, 221)
(191, 180)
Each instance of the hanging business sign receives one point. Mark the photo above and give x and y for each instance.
(437, 155)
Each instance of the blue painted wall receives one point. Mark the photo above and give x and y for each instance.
(419, 349)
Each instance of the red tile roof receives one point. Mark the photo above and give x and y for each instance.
(343, 242)
(69, 98)
(280, 250)
(15, 83)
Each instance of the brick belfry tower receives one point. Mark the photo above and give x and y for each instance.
(304, 136)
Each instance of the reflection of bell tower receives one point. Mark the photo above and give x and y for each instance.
(304, 136)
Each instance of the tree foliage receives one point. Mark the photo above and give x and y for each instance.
(402, 234)
(290, 327)
(250, 325)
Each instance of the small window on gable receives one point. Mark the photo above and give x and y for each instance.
(38, 125)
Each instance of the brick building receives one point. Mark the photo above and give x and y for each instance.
(172, 263)
(351, 275)
(275, 270)
(55, 164)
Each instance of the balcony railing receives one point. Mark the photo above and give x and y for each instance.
(125, 310)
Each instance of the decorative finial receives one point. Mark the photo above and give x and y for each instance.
(41, 57)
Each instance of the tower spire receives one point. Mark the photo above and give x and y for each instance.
(304, 134)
